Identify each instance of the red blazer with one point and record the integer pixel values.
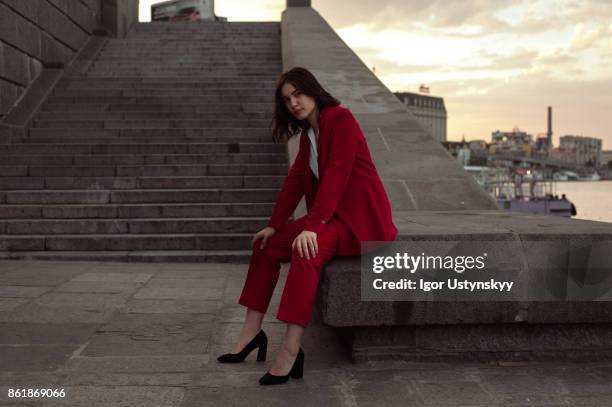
(348, 189)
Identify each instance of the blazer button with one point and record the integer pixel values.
(323, 222)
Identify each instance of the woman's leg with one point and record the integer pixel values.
(299, 295)
(262, 277)
(288, 350)
(250, 328)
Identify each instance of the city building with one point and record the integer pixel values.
(541, 148)
(606, 158)
(582, 150)
(460, 150)
(515, 142)
(429, 111)
(184, 10)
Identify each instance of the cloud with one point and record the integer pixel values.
(398, 13)
(523, 59)
(584, 38)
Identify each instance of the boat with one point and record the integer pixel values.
(590, 177)
(541, 198)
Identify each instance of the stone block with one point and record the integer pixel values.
(28, 37)
(14, 65)
(8, 25)
(28, 9)
(18, 243)
(78, 12)
(55, 197)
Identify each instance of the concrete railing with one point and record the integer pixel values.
(433, 198)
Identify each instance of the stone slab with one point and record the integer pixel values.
(35, 333)
(136, 364)
(34, 357)
(147, 334)
(17, 291)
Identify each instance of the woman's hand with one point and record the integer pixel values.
(264, 234)
(306, 243)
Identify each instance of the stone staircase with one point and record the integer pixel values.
(161, 152)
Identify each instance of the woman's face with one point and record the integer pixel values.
(299, 104)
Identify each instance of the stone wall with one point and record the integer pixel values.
(119, 15)
(35, 33)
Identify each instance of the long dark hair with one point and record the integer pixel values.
(284, 123)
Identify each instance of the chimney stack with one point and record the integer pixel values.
(549, 133)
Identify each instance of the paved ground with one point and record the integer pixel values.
(116, 334)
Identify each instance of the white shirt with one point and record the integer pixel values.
(314, 162)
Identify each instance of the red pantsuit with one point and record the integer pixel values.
(300, 289)
(347, 205)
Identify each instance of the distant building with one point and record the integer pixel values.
(184, 10)
(563, 155)
(542, 147)
(460, 150)
(429, 111)
(583, 150)
(515, 142)
(606, 158)
(478, 145)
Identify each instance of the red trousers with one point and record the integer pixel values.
(301, 286)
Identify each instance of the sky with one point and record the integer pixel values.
(498, 64)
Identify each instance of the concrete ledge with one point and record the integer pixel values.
(341, 304)
(434, 199)
(483, 343)
(26, 108)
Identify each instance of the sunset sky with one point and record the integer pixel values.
(497, 63)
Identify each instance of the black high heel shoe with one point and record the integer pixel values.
(296, 372)
(260, 341)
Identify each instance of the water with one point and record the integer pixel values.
(593, 200)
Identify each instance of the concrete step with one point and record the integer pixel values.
(94, 183)
(242, 65)
(67, 115)
(139, 210)
(152, 148)
(140, 170)
(151, 123)
(264, 79)
(228, 195)
(229, 134)
(139, 92)
(105, 83)
(204, 41)
(202, 100)
(143, 256)
(219, 108)
(131, 226)
(84, 242)
(191, 57)
(225, 71)
(153, 73)
(143, 159)
(76, 139)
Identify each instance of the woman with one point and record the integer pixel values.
(346, 204)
